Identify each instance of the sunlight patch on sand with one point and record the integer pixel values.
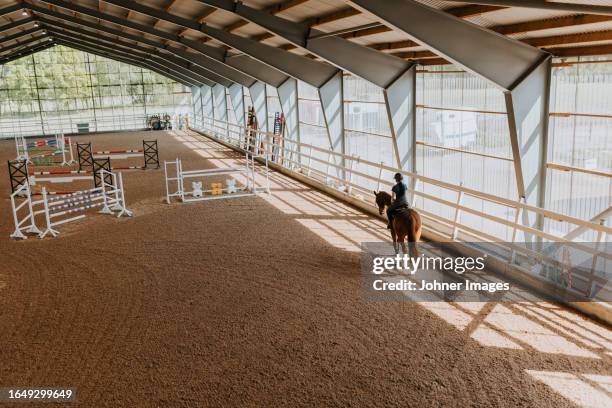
(585, 390)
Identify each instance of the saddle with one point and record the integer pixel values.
(402, 208)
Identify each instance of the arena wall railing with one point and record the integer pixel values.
(344, 176)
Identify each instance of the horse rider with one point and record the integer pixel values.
(398, 196)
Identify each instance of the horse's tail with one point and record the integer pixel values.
(413, 227)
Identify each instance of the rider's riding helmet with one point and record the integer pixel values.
(398, 177)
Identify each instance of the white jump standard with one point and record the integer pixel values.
(59, 209)
(199, 194)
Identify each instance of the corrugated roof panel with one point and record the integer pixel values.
(313, 8)
(515, 15)
(587, 44)
(390, 36)
(586, 28)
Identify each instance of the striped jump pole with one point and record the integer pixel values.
(149, 152)
(107, 152)
(50, 173)
(53, 193)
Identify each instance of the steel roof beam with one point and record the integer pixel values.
(310, 71)
(126, 54)
(521, 71)
(16, 24)
(379, 68)
(201, 73)
(130, 61)
(20, 34)
(548, 5)
(22, 43)
(245, 64)
(27, 51)
(500, 60)
(11, 9)
(207, 63)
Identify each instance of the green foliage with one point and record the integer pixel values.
(65, 79)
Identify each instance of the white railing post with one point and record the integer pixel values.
(349, 187)
(600, 238)
(415, 186)
(517, 218)
(457, 213)
(380, 170)
(329, 157)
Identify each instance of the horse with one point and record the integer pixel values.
(406, 224)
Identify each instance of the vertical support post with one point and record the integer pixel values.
(400, 102)
(208, 110)
(196, 100)
(517, 218)
(332, 102)
(237, 98)
(527, 105)
(288, 96)
(220, 102)
(259, 99)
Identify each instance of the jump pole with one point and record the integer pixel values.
(149, 153)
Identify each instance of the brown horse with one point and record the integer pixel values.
(406, 224)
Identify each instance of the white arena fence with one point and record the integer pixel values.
(466, 217)
(64, 208)
(68, 125)
(102, 121)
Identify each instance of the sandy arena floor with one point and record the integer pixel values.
(256, 302)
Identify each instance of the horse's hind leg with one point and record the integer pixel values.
(404, 249)
(414, 252)
(395, 244)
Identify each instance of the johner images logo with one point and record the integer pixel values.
(443, 272)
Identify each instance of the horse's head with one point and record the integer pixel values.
(383, 200)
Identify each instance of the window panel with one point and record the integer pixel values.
(70, 83)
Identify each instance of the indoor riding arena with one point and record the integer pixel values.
(306, 203)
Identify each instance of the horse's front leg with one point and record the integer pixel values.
(395, 244)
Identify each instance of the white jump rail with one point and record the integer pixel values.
(62, 176)
(118, 154)
(247, 171)
(61, 209)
